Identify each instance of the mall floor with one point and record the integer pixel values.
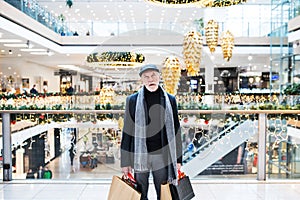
(80, 183)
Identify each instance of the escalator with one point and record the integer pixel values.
(219, 146)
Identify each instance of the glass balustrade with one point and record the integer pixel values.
(219, 143)
(240, 20)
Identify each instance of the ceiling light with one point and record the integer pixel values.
(10, 52)
(33, 50)
(15, 45)
(42, 53)
(71, 67)
(9, 40)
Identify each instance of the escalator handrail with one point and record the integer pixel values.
(213, 138)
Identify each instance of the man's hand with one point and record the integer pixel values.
(178, 166)
(126, 170)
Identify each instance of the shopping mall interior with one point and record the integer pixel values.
(67, 66)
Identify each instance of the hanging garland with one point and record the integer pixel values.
(199, 3)
(115, 58)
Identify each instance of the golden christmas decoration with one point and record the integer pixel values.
(211, 34)
(106, 95)
(227, 44)
(171, 73)
(192, 52)
(115, 59)
(197, 3)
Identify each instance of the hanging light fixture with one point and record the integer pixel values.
(211, 35)
(192, 52)
(227, 44)
(171, 73)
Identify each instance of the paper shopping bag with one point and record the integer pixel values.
(121, 190)
(182, 191)
(165, 193)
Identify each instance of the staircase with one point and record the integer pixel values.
(219, 146)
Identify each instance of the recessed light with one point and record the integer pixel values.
(32, 50)
(68, 66)
(39, 53)
(10, 40)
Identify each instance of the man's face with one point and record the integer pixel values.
(150, 79)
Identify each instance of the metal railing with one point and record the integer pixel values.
(262, 129)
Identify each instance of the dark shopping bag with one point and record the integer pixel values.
(123, 189)
(182, 191)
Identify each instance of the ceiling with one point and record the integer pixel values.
(130, 15)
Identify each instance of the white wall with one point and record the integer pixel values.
(36, 74)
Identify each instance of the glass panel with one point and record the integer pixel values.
(229, 140)
(282, 146)
(250, 24)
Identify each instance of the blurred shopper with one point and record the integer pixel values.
(30, 174)
(33, 90)
(72, 153)
(47, 173)
(40, 172)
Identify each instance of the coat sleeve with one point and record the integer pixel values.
(127, 139)
(177, 130)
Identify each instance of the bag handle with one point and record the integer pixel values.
(180, 174)
(129, 176)
(129, 179)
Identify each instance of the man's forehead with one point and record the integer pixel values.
(149, 72)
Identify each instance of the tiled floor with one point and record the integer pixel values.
(79, 183)
(206, 190)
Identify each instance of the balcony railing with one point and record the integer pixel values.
(269, 144)
(244, 26)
